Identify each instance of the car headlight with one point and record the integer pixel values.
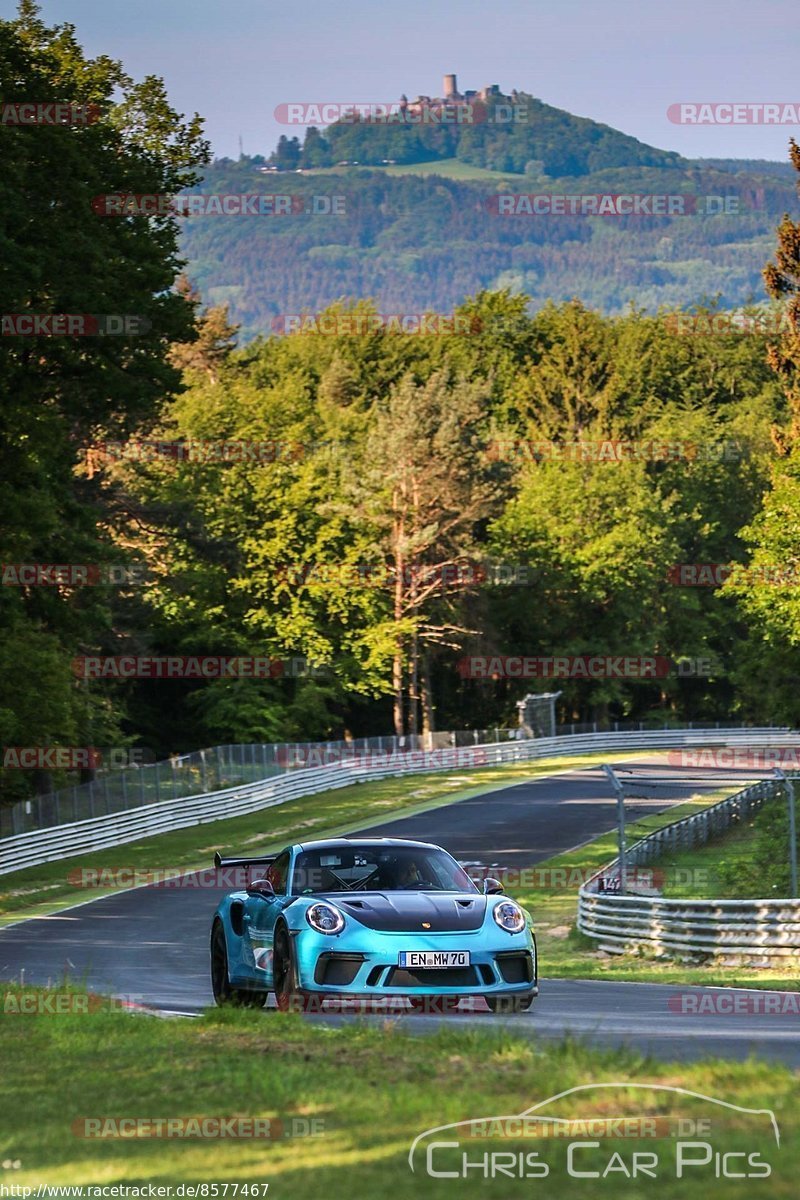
(325, 918)
(509, 916)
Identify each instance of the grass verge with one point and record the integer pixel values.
(566, 953)
(696, 873)
(371, 1089)
(749, 862)
(449, 168)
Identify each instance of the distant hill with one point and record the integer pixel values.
(421, 230)
(517, 134)
(419, 242)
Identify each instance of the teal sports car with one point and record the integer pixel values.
(369, 918)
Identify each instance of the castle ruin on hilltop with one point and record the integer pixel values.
(452, 98)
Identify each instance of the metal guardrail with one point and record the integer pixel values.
(210, 770)
(768, 928)
(216, 768)
(116, 829)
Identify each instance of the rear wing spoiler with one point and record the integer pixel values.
(261, 860)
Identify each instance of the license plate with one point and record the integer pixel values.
(416, 959)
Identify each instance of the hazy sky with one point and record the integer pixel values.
(622, 62)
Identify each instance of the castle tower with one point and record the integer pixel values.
(449, 88)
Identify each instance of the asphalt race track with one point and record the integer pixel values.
(150, 945)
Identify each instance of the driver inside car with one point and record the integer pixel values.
(393, 875)
(408, 875)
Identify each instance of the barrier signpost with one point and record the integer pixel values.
(792, 829)
(619, 791)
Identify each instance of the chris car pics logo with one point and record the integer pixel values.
(654, 1132)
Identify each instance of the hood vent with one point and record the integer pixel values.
(415, 912)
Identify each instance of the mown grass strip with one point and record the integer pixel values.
(371, 1088)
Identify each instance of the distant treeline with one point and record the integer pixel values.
(413, 243)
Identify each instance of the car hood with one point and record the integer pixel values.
(417, 912)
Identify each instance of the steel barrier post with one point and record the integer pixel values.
(787, 783)
(620, 794)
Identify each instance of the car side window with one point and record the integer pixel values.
(278, 873)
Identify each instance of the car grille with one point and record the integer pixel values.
(337, 970)
(515, 967)
(442, 977)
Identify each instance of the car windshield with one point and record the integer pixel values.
(378, 869)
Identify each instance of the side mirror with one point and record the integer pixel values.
(492, 887)
(261, 887)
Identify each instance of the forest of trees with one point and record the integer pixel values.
(378, 505)
(412, 243)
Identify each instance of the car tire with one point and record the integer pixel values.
(288, 996)
(510, 1004)
(220, 980)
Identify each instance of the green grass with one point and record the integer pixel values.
(38, 891)
(449, 168)
(695, 873)
(372, 1089)
(749, 862)
(453, 168)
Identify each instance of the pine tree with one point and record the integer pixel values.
(216, 336)
(782, 280)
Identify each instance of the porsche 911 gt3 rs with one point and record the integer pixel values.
(370, 918)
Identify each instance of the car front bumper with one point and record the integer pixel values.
(359, 962)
